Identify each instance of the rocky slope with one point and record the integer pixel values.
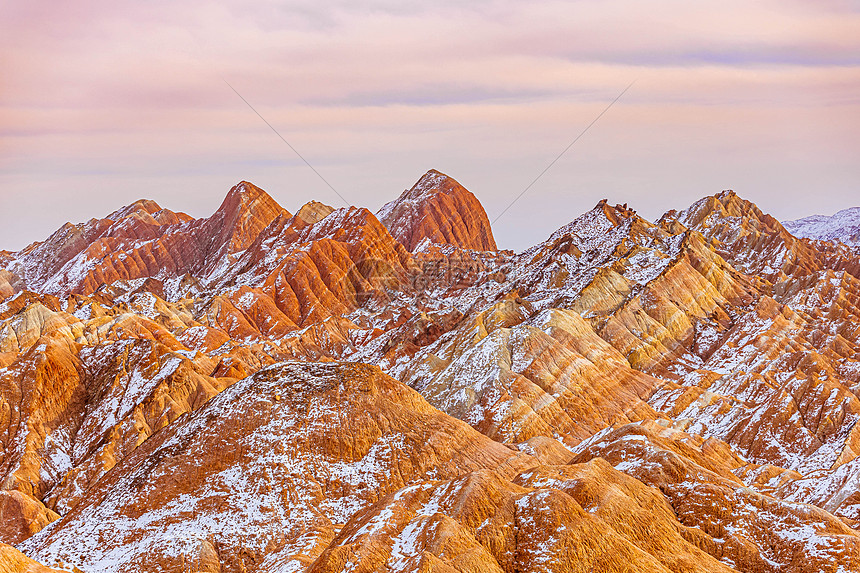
(13, 561)
(267, 472)
(332, 390)
(143, 240)
(843, 226)
(438, 210)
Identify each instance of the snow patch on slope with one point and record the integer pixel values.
(843, 226)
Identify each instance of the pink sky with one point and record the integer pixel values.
(103, 102)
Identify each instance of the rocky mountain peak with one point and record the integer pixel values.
(244, 213)
(617, 213)
(244, 197)
(141, 206)
(439, 209)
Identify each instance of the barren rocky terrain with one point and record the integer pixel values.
(337, 390)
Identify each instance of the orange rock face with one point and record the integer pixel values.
(279, 462)
(13, 561)
(144, 240)
(439, 210)
(21, 516)
(258, 391)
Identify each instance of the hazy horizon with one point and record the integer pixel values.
(104, 103)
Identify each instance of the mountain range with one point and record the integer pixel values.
(844, 226)
(341, 390)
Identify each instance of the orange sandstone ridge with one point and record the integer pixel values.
(439, 210)
(333, 390)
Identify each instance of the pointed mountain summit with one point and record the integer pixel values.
(242, 216)
(144, 240)
(244, 213)
(439, 209)
(149, 212)
(726, 214)
(755, 242)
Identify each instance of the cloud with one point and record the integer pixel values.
(104, 102)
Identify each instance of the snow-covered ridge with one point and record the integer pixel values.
(844, 226)
(430, 184)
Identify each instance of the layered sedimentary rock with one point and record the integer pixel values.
(757, 244)
(13, 561)
(144, 240)
(271, 468)
(328, 391)
(439, 210)
(747, 529)
(585, 517)
(22, 515)
(513, 377)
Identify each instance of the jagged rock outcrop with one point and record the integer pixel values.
(439, 210)
(757, 244)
